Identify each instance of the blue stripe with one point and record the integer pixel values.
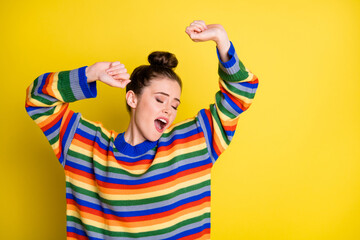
(80, 167)
(110, 148)
(89, 90)
(249, 85)
(214, 112)
(160, 209)
(179, 136)
(53, 128)
(61, 158)
(84, 203)
(231, 103)
(229, 134)
(153, 178)
(29, 109)
(76, 230)
(189, 232)
(207, 125)
(209, 131)
(231, 54)
(134, 160)
(85, 134)
(42, 83)
(68, 130)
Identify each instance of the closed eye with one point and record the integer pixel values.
(158, 100)
(174, 107)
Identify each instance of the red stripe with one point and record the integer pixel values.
(137, 218)
(255, 80)
(156, 182)
(83, 139)
(65, 124)
(106, 153)
(77, 236)
(80, 172)
(179, 141)
(237, 101)
(43, 90)
(59, 115)
(196, 235)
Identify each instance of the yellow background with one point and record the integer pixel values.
(292, 170)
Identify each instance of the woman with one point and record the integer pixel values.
(153, 180)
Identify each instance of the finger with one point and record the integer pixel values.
(121, 76)
(120, 83)
(124, 83)
(201, 24)
(117, 71)
(115, 68)
(194, 28)
(115, 63)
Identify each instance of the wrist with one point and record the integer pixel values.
(91, 77)
(223, 42)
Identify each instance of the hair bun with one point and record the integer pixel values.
(164, 59)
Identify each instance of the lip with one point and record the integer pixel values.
(163, 129)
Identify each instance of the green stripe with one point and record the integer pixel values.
(162, 198)
(83, 191)
(179, 127)
(242, 74)
(233, 89)
(220, 106)
(126, 203)
(80, 156)
(64, 87)
(218, 122)
(153, 167)
(38, 97)
(47, 113)
(54, 139)
(95, 128)
(141, 234)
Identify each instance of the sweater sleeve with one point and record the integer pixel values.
(47, 101)
(237, 90)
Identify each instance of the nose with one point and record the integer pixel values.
(166, 109)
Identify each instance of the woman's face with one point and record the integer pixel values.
(156, 108)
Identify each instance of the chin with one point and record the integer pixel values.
(153, 137)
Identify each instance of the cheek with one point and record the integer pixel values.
(148, 109)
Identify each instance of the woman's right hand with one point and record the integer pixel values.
(113, 74)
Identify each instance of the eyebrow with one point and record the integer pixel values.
(167, 95)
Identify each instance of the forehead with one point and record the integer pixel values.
(164, 85)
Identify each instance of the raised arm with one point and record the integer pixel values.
(48, 97)
(237, 89)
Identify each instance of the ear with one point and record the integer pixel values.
(131, 99)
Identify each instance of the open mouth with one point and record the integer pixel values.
(160, 124)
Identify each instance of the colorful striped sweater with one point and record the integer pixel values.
(155, 190)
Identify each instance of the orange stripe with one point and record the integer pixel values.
(198, 141)
(121, 221)
(204, 234)
(217, 142)
(51, 118)
(112, 191)
(78, 177)
(48, 89)
(156, 187)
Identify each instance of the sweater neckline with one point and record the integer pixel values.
(126, 148)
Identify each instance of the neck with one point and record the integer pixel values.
(132, 135)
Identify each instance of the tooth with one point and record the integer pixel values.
(164, 121)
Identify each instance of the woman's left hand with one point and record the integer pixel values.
(198, 31)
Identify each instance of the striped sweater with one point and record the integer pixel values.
(154, 190)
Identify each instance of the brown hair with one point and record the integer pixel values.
(161, 65)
